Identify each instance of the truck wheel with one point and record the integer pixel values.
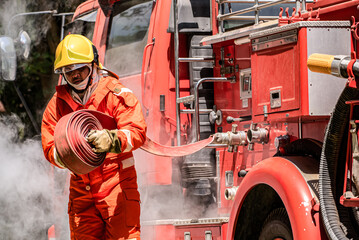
(276, 226)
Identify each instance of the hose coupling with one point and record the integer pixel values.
(230, 193)
(230, 138)
(259, 135)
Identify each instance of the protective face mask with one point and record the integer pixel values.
(82, 85)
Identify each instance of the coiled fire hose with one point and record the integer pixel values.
(76, 153)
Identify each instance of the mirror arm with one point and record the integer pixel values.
(26, 14)
(36, 127)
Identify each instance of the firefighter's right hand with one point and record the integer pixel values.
(104, 141)
(58, 160)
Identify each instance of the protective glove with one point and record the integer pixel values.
(104, 141)
(58, 160)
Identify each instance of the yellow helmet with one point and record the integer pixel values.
(75, 49)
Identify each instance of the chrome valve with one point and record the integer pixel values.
(230, 138)
(230, 193)
(259, 135)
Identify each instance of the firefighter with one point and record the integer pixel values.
(105, 203)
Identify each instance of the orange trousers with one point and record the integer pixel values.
(105, 205)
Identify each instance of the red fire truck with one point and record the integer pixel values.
(283, 163)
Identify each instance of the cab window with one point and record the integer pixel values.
(84, 25)
(128, 36)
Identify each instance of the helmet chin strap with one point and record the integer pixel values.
(88, 83)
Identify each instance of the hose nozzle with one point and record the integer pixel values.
(336, 65)
(320, 63)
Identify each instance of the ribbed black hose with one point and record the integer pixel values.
(335, 217)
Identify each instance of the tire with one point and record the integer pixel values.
(276, 226)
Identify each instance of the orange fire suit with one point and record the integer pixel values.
(105, 203)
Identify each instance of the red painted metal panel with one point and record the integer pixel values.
(229, 162)
(87, 6)
(242, 59)
(275, 69)
(324, 3)
(156, 82)
(198, 232)
(100, 33)
(214, 19)
(302, 40)
(154, 232)
(159, 80)
(237, 57)
(315, 129)
(224, 231)
(227, 95)
(343, 10)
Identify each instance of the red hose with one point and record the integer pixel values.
(70, 139)
(76, 153)
(169, 151)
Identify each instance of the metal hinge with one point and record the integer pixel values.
(275, 40)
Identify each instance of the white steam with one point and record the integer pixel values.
(8, 9)
(37, 25)
(27, 198)
(12, 24)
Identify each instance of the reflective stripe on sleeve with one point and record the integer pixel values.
(129, 162)
(129, 143)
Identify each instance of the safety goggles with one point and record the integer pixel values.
(70, 68)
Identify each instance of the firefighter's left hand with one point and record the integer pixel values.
(58, 160)
(104, 141)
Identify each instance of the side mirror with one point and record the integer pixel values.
(25, 43)
(8, 58)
